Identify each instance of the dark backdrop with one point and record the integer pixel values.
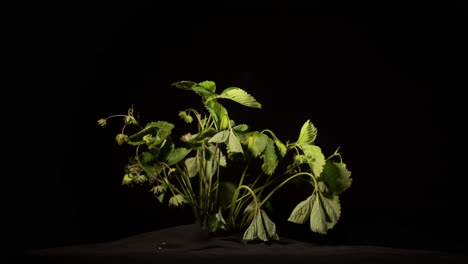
(381, 81)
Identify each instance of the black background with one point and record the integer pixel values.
(383, 81)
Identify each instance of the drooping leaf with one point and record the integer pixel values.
(220, 137)
(209, 85)
(318, 218)
(301, 212)
(314, 157)
(261, 228)
(270, 160)
(325, 212)
(177, 155)
(336, 176)
(256, 143)
(234, 143)
(240, 96)
(332, 207)
(222, 158)
(219, 114)
(192, 166)
(177, 200)
(279, 145)
(184, 85)
(308, 133)
(216, 222)
(322, 210)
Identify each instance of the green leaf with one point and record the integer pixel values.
(220, 137)
(146, 158)
(234, 143)
(162, 125)
(270, 160)
(177, 200)
(261, 228)
(209, 85)
(325, 212)
(300, 159)
(202, 91)
(166, 150)
(314, 157)
(240, 96)
(216, 222)
(241, 128)
(332, 209)
(184, 85)
(177, 155)
(318, 218)
(159, 129)
(308, 133)
(192, 166)
(301, 212)
(336, 177)
(279, 145)
(219, 114)
(256, 143)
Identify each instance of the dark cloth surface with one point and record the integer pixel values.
(189, 244)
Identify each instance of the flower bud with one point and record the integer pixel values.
(102, 122)
(121, 139)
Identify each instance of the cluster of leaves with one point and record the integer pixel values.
(192, 174)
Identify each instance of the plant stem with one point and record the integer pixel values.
(284, 182)
(232, 214)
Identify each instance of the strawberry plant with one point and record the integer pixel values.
(226, 171)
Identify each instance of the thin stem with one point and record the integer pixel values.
(284, 182)
(232, 214)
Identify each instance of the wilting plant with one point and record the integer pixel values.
(228, 172)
